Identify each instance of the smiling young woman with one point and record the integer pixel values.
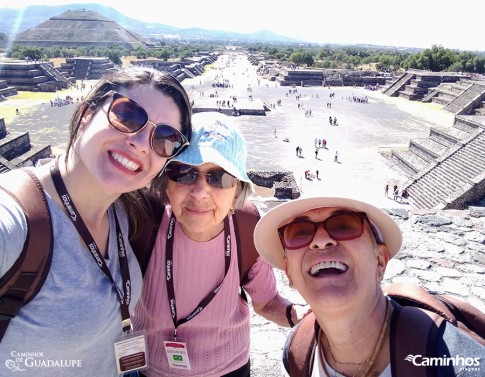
(129, 126)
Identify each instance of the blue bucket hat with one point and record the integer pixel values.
(216, 139)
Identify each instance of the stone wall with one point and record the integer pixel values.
(282, 182)
(3, 128)
(14, 145)
(29, 76)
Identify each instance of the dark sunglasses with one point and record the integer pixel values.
(128, 117)
(187, 175)
(342, 226)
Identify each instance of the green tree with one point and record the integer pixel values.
(115, 57)
(297, 58)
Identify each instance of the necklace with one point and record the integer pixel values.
(369, 361)
(382, 334)
(339, 362)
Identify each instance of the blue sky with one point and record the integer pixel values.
(410, 23)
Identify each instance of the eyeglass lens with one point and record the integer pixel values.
(126, 116)
(187, 175)
(340, 227)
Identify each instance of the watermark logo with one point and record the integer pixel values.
(466, 363)
(14, 365)
(23, 361)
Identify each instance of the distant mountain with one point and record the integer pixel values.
(14, 21)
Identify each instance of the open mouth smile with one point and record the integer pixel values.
(123, 161)
(328, 268)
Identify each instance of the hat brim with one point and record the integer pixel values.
(197, 155)
(266, 237)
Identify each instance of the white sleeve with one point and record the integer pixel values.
(13, 231)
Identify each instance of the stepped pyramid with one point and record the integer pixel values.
(446, 170)
(80, 28)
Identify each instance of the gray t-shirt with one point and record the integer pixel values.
(70, 327)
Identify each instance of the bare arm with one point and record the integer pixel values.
(275, 311)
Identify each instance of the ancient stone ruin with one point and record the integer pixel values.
(17, 151)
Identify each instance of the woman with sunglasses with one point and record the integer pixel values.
(335, 252)
(131, 123)
(197, 323)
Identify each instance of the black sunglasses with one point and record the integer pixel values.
(187, 175)
(128, 117)
(342, 226)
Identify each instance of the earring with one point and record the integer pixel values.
(380, 276)
(232, 211)
(290, 283)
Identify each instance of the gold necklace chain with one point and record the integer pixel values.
(375, 351)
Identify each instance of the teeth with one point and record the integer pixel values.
(324, 265)
(130, 165)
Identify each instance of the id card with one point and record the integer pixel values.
(130, 352)
(177, 354)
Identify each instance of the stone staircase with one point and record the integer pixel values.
(393, 89)
(17, 151)
(86, 68)
(468, 99)
(30, 76)
(444, 93)
(416, 84)
(57, 76)
(446, 170)
(6, 90)
(5, 165)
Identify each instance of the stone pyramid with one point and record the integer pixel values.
(80, 28)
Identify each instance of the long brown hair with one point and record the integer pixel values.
(129, 77)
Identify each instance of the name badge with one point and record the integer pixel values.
(130, 353)
(177, 354)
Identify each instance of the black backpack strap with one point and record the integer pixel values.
(413, 332)
(300, 346)
(24, 279)
(245, 220)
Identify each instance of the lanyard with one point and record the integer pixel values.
(169, 270)
(125, 296)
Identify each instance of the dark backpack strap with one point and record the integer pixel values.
(413, 332)
(300, 346)
(24, 279)
(245, 220)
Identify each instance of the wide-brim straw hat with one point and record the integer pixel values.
(266, 236)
